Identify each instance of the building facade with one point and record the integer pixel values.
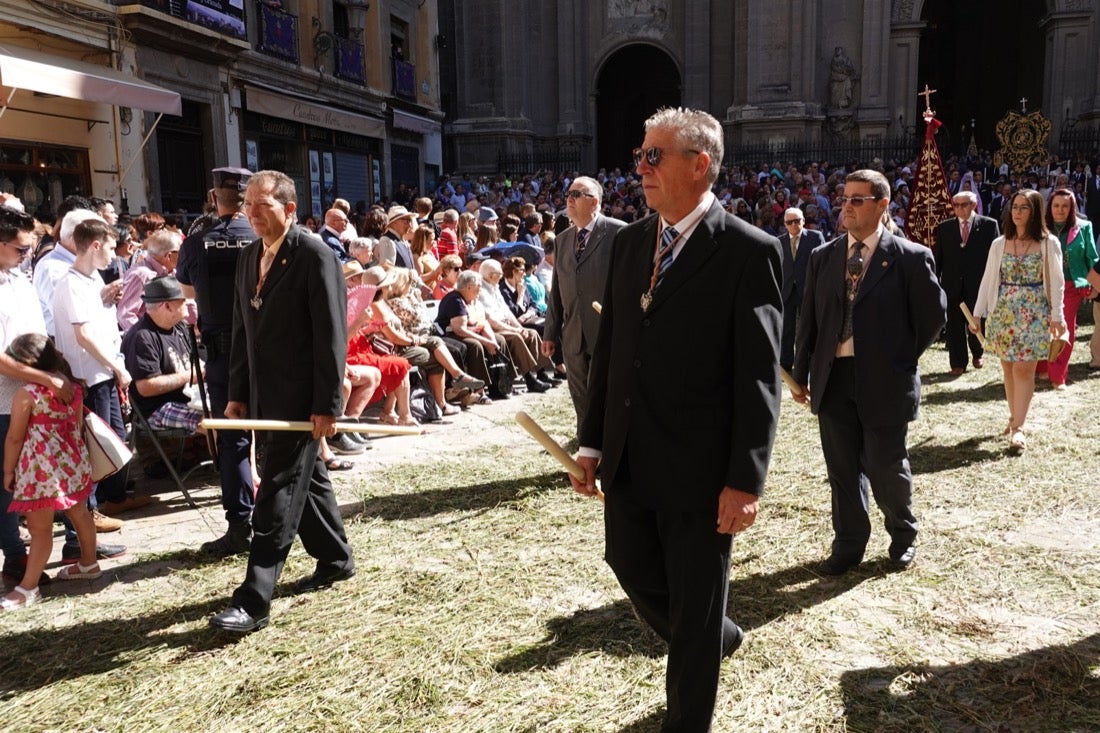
(342, 95)
(558, 81)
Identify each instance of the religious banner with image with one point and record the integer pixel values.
(931, 202)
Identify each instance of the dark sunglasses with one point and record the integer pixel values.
(575, 194)
(652, 156)
(856, 201)
(792, 221)
(22, 250)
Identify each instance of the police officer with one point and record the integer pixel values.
(206, 267)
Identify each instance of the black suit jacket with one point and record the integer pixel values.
(688, 392)
(288, 356)
(334, 243)
(960, 268)
(794, 268)
(899, 311)
(1092, 198)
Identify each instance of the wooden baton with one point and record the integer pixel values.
(973, 323)
(307, 426)
(788, 380)
(553, 448)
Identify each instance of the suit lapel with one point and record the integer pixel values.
(595, 239)
(282, 261)
(836, 267)
(881, 261)
(697, 250)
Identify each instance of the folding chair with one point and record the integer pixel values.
(140, 426)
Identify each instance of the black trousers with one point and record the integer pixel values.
(790, 325)
(858, 458)
(958, 336)
(295, 498)
(674, 567)
(234, 464)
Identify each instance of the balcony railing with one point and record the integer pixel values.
(404, 80)
(278, 32)
(349, 60)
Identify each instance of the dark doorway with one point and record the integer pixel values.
(983, 56)
(634, 82)
(183, 167)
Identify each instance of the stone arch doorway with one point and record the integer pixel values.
(983, 58)
(633, 83)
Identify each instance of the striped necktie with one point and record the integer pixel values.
(668, 236)
(582, 240)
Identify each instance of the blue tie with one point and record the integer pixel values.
(668, 236)
(582, 240)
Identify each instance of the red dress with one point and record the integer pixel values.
(393, 368)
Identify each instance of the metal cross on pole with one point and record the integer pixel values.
(927, 94)
(1023, 104)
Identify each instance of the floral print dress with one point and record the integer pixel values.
(1018, 329)
(53, 470)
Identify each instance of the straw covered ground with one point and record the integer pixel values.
(482, 602)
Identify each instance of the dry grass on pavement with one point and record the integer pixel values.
(482, 604)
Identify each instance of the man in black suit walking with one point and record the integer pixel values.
(287, 363)
(683, 434)
(795, 244)
(871, 308)
(1092, 195)
(962, 248)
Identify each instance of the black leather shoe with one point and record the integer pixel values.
(904, 559)
(323, 579)
(734, 643)
(238, 620)
(838, 565)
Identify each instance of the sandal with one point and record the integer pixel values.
(1017, 442)
(76, 571)
(338, 464)
(391, 419)
(449, 409)
(20, 598)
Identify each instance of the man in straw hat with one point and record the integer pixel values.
(392, 249)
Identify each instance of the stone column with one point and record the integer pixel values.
(1068, 43)
(874, 63)
(905, 107)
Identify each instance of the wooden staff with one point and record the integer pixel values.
(788, 380)
(973, 323)
(307, 426)
(597, 307)
(535, 431)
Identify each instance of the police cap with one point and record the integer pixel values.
(236, 178)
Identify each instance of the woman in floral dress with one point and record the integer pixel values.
(1021, 295)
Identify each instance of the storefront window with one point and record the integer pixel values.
(42, 176)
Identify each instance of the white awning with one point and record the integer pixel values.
(22, 68)
(314, 113)
(416, 123)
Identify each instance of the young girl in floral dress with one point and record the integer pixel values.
(46, 468)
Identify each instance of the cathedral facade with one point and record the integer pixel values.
(572, 80)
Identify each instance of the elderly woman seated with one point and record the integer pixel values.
(449, 268)
(403, 322)
(462, 316)
(524, 344)
(362, 249)
(360, 387)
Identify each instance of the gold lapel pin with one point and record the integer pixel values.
(284, 262)
(884, 264)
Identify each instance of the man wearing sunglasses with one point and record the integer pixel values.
(581, 260)
(795, 243)
(683, 401)
(872, 306)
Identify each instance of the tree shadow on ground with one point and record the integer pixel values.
(1049, 689)
(989, 392)
(102, 646)
(928, 458)
(612, 629)
(395, 507)
(759, 599)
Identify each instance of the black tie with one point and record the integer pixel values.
(582, 240)
(854, 275)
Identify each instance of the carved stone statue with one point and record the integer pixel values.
(842, 78)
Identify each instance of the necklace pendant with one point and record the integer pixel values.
(647, 300)
(256, 302)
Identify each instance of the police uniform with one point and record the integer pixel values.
(208, 263)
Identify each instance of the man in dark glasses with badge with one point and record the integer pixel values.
(872, 305)
(683, 399)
